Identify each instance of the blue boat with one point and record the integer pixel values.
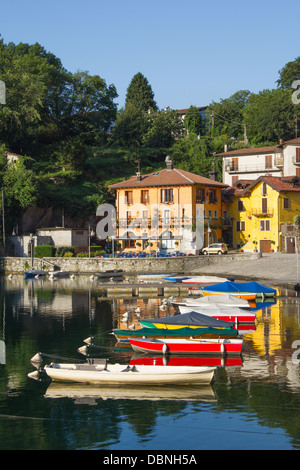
(245, 290)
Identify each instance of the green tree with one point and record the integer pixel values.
(193, 121)
(270, 116)
(289, 73)
(130, 126)
(164, 128)
(20, 186)
(227, 116)
(140, 94)
(196, 155)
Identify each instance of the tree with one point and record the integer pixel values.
(289, 73)
(270, 116)
(193, 121)
(164, 128)
(130, 126)
(20, 186)
(227, 116)
(140, 94)
(196, 155)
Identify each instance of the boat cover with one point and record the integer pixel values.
(191, 319)
(237, 287)
(178, 332)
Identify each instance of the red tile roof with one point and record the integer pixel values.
(283, 183)
(174, 177)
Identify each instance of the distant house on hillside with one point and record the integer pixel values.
(251, 163)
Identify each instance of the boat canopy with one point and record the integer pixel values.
(237, 287)
(191, 319)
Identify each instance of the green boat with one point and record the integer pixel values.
(123, 335)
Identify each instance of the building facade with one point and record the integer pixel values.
(168, 210)
(251, 163)
(259, 208)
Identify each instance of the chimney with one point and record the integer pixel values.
(213, 175)
(138, 173)
(169, 163)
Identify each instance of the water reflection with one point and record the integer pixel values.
(258, 392)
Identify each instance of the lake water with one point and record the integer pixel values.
(253, 403)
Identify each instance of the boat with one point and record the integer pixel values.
(187, 346)
(123, 335)
(233, 314)
(153, 276)
(35, 272)
(58, 274)
(212, 301)
(207, 360)
(189, 319)
(204, 280)
(111, 273)
(176, 279)
(102, 373)
(244, 290)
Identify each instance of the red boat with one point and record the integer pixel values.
(187, 346)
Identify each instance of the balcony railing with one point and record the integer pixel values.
(256, 212)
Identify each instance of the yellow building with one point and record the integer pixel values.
(259, 208)
(161, 210)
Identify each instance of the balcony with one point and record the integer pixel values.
(256, 212)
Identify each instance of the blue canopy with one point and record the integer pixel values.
(239, 287)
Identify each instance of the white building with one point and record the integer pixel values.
(251, 163)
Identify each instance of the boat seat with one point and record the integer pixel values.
(92, 363)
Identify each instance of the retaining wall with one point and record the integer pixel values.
(184, 264)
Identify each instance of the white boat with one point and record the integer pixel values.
(203, 280)
(213, 301)
(117, 374)
(57, 274)
(153, 276)
(231, 314)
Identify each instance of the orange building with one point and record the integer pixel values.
(165, 210)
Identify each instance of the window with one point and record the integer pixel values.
(166, 195)
(264, 205)
(212, 196)
(265, 225)
(297, 154)
(145, 196)
(241, 206)
(200, 195)
(128, 217)
(167, 217)
(215, 214)
(268, 162)
(128, 197)
(235, 164)
(264, 189)
(286, 203)
(241, 226)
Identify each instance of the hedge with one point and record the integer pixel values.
(44, 251)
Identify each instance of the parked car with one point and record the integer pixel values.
(215, 248)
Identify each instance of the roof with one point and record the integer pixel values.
(250, 151)
(167, 177)
(259, 150)
(280, 184)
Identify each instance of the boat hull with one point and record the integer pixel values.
(232, 315)
(187, 346)
(119, 374)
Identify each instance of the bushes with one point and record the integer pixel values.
(44, 251)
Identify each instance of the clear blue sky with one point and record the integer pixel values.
(192, 52)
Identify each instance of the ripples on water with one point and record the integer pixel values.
(252, 404)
